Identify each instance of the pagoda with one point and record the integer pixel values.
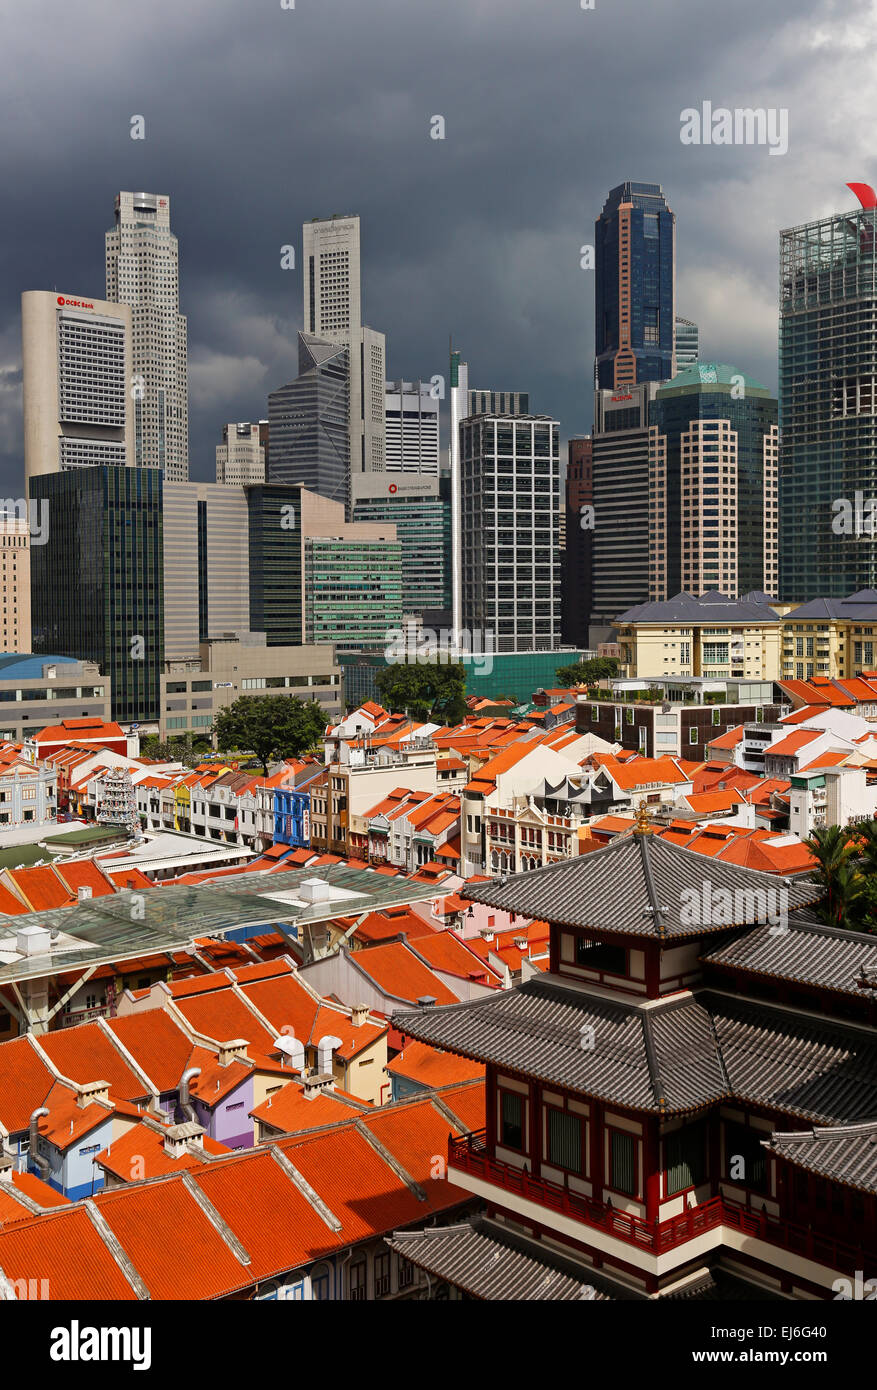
(684, 1102)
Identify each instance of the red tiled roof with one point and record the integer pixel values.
(426, 1065)
(25, 1081)
(65, 1248)
(290, 1111)
(84, 1054)
(149, 1220)
(397, 972)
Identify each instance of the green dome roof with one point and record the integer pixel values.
(708, 374)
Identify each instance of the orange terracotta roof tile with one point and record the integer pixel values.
(149, 1219)
(84, 1054)
(430, 1067)
(290, 1111)
(399, 973)
(63, 1247)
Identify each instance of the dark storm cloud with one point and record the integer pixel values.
(259, 118)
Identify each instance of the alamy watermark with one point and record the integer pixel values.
(720, 907)
(33, 514)
(740, 126)
(855, 518)
(413, 645)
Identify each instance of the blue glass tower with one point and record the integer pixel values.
(635, 245)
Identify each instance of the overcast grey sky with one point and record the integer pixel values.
(258, 118)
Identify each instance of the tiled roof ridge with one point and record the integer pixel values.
(390, 1159)
(219, 1225)
(115, 1248)
(300, 1181)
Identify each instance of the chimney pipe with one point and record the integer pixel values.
(34, 1135)
(186, 1105)
(325, 1048)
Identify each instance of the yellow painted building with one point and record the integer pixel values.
(711, 636)
(831, 637)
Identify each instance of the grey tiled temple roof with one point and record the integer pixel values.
(668, 1058)
(640, 885)
(655, 1059)
(809, 953)
(847, 1154)
(489, 1263)
(711, 607)
(826, 1072)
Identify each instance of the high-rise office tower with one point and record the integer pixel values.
(142, 267)
(15, 583)
(498, 402)
(411, 429)
(713, 446)
(309, 423)
(333, 313)
(97, 590)
(635, 245)
(206, 564)
(76, 373)
(687, 343)
(240, 458)
(621, 501)
(578, 541)
(421, 516)
(510, 482)
(828, 405)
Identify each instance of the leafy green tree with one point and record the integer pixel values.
(273, 726)
(586, 672)
(431, 691)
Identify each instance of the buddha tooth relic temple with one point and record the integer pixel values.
(684, 1104)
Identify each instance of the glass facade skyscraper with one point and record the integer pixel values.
(97, 589)
(353, 590)
(635, 248)
(275, 563)
(308, 421)
(423, 531)
(827, 403)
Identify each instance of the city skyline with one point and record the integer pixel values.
(443, 252)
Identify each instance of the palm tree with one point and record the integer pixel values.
(833, 849)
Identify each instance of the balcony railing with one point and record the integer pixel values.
(469, 1153)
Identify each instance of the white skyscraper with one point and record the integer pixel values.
(240, 458)
(76, 367)
(142, 264)
(333, 312)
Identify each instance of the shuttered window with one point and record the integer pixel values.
(685, 1158)
(565, 1140)
(623, 1163)
(512, 1119)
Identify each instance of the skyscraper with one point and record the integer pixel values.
(240, 458)
(422, 520)
(687, 343)
(578, 541)
(411, 430)
(97, 591)
(333, 313)
(76, 372)
(510, 477)
(15, 583)
(206, 564)
(142, 268)
(635, 245)
(309, 421)
(713, 446)
(827, 405)
(621, 501)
